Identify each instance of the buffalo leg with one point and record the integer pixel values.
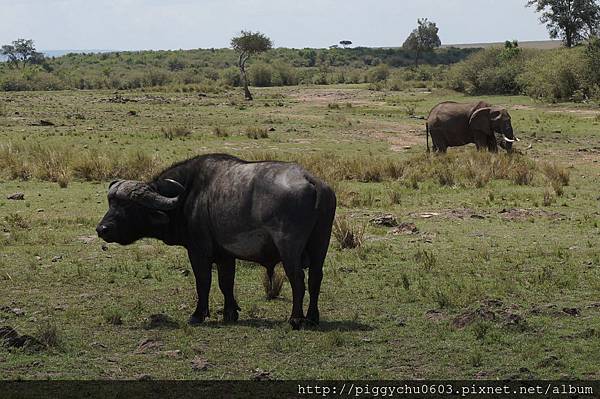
(315, 276)
(295, 274)
(226, 283)
(203, 273)
(317, 248)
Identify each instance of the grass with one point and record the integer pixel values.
(172, 132)
(490, 227)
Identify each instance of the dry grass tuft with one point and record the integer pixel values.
(557, 175)
(349, 236)
(220, 131)
(256, 133)
(273, 286)
(175, 132)
(49, 336)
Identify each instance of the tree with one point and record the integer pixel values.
(21, 52)
(345, 43)
(571, 20)
(423, 39)
(247, 44)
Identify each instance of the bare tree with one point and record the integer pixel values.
(247, 44)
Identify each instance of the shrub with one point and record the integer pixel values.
(283, 74)
(260, 74)
(490, 71)
(554, 75)
(379, 73)
(231, 76)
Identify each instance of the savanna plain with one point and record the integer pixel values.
(464, 265)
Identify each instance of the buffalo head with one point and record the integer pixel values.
(138, 209)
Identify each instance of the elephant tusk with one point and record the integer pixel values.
(518, 139)
(507, 139)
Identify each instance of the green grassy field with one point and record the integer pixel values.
(498, 278)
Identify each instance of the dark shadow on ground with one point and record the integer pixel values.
(324, 325)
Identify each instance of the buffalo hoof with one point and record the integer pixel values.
(297, 322)
(313, 318)
(195, 320)
(230, 315)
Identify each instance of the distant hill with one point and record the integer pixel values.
(60, 53)
(540, 44)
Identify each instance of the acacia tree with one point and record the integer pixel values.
(247, 44)
(345, 43)
(423, 38)
(571, 20)
(21, 52)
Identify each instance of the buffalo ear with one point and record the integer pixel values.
(481, 120)
(168, 188)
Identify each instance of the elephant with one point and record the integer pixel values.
(452, 124)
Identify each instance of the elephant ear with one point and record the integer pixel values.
(481, 120)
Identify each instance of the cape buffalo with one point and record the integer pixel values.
(452, 124)
(221, 208)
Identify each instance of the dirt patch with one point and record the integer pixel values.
(522, 214)
(468, 318)
(460, 213)
(199, 363)
(400, 137)
(493, 311)
(331, 96)
(435, 315)
(161, 321)
(148, 345)
(405, 228)
(579, 112)
(574, 111)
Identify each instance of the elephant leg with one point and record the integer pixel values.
(441, 146)
(492, 144)
(438, 142)
(481, 142)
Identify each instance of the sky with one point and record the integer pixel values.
(188, 24)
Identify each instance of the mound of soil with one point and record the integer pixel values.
(384, 220)
(10, 338)
(490, 310)
(405, 228)
(161, 321)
